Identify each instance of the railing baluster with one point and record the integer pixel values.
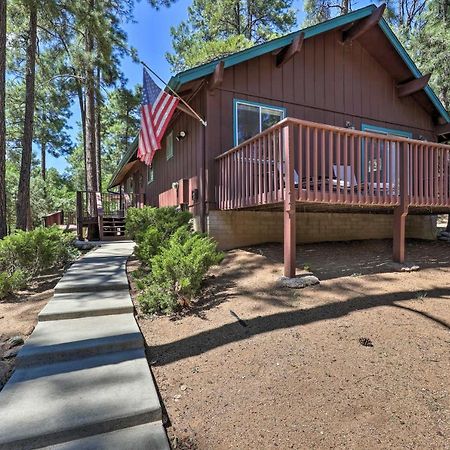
(345, 167)
(322, 164)
(330, 165)
(251, 173)
(384, 168)
(432, 167)
(358, 168)
(275, 167)
(315, 168)
(283, 167)
(300, 163)
(446, 182)
(365, 143)
(379, 168)
(308, 163)
(393, 184)
(338, 168)
(265, 174)
(352, 165)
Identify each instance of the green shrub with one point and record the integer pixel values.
(25, 254)
(36, 251)
(178, 270)
(11, 283)
(152, 227)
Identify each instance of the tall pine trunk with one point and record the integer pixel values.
(43, 160)
(3, 223)
(91, 149)
(98, 104)
(23, 195)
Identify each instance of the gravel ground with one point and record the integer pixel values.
(293, 371)
(18, 317)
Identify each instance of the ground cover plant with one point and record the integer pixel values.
(174, 258)
(26, 254)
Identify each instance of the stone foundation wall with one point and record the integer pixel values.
(241, 228)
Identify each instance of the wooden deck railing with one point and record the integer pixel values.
(92, 204)
(327, 164)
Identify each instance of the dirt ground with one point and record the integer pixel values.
(18, 317)
(257, 366)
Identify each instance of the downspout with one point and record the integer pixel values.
(203, 172)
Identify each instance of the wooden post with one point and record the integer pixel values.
(79, 215)
(401, 211)
(289, 202)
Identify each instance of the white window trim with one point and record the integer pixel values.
(169, 136)
(151, 171)
(260, 106)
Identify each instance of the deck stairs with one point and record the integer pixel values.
(113, 228)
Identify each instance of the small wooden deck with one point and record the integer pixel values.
(298, 164)
(103, 213)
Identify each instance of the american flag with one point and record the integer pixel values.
(156, 111)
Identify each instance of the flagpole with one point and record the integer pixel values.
(203, 122)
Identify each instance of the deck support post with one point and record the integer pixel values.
(401, 211)
(79, 216)
(289, 203)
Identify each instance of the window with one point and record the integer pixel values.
(150, 174)
(388, 156)
(252, 118)
(169, 146)
(129, 187)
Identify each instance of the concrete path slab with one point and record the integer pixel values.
(77, 338)
(101, 269)
(150, 436)
(73, 305)
(50, 404)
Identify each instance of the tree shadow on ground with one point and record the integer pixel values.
(328, 260)
(233, 332)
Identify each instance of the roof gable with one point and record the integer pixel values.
(275, 44)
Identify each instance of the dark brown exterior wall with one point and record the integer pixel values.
(326, 82)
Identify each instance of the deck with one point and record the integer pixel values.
(103, 213)
(298, 164)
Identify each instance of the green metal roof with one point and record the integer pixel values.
(206, 69)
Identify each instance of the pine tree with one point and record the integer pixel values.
(23, 216)
(217, 28)
(3, 224)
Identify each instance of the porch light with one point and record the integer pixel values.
(349, 125)
(181, 135)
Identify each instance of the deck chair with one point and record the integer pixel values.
(282, 172)
(347, 177)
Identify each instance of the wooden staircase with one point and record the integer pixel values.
(113, 228)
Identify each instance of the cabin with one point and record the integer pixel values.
(328, 133)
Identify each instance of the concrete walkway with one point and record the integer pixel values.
(82, 380)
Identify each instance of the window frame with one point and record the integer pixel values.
(384, 132)
(150, 178)
(237, 101)
(169, 137)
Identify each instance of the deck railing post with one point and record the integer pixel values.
(289, 202)
(401, 211)
(79, 215)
